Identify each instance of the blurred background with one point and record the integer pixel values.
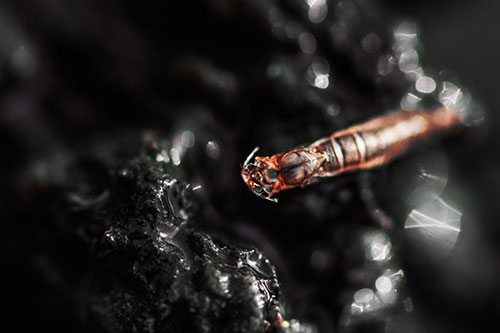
(410, 247)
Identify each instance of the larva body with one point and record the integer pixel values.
(363, 146)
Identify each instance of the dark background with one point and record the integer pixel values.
(96, 70)
(460, 36)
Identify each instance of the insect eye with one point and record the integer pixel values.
(272, 174)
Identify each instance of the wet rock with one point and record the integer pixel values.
(150, 267)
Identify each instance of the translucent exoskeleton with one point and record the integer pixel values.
(363, 146)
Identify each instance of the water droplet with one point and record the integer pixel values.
(187, 139)
(319, 259)
(23, 61)
(307, 43)
(274, 70)
(275, 16)
(434, 225)
(338, 32)
(317, 10)
(163, 157)
(409, 101)
(385, 64)
(408, 60)
(371, 43)
(405, 34)
(332, 110)
(321, 81)
(365, 295)
(212, 149)
(383, 284)
(425, 85)
(176, 157)
(379, 248)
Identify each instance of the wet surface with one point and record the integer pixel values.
(123, 130)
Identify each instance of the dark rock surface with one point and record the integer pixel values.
(127, 249)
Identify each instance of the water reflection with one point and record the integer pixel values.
(318, 73)
(405, 52)
(317, 10)
(432, 177)
(435, 224)
(371, 43)
(408, 61)
(319, 259)
(387, 286)
(212, 149)
(163, 156)
(307, 42)
(346, 11)
(180, 144)
(410, 101)
(453, 97)
(321, 81)
(187, 139)
(23, 61)
(15, 49)
(364, 300)
(425, 85)
(456, 99)
(295, 326)
(379, 247)
(338, 32)
(387, 282)
(385, 294)
(383, 284)
(406, 34)
(175, 153)
(385, 64)
(332, 110)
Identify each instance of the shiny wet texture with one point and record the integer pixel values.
(109, 110)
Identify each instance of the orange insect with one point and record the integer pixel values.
(363, 146)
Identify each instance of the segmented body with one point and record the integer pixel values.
(363, 146)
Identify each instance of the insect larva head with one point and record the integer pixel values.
(260, 178)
